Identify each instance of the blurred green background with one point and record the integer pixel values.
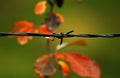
(92, 16)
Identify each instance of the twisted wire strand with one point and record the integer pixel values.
(61, 35)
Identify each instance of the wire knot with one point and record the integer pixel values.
(62, 35)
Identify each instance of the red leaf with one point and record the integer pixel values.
(21, 27)
(82, 65)
(44, 66)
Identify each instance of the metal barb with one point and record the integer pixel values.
(61, 38)
(61, 35)
(70, 32)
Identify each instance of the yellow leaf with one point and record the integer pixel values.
(64, 67)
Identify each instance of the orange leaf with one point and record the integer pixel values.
(82, 65)
(80, 41)
(21, 27)
(64, 67)
(40, 8)
(62, 64)
(44, 30)
(22, 40)
(60, 17)
(44, 66)
(58, 56)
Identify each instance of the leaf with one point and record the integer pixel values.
(21, 27)
(52, 21)
(58, 55)
(22, 40)
(60, 17)
(82, 65)
(44, 66)
(40, 8)
(62, 64)
(64, 67)
(44, 30)
(61, 46)
(80, 41)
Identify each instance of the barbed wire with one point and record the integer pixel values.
(62, 35)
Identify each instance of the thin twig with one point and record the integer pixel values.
(46, 76)
(47, 46)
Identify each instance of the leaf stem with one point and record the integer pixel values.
(47, 46)
(46, 76)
